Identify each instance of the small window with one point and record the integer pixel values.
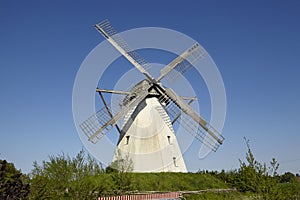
(169, 139)
(174, 160)
(127, 139)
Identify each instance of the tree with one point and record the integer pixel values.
(258, 178)
(287, 177)
(13, 183)
(121, 174)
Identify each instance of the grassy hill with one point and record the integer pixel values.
(81, 177)
(175, 182)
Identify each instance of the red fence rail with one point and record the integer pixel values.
(169, 195)
(163, 195)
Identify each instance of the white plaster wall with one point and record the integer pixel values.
(148, 145)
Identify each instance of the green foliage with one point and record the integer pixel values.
(123, 163)
(175, 182)
(215, 196)
(288, 177)
(121, 182)
(62, 177)
(81, 178)
(13, 184)
(290, 191)
(120, 175)
(257, 178)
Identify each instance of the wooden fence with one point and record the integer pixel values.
(151, 195)
(168, 195)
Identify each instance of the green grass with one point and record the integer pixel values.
(174, 182)
(213, 196)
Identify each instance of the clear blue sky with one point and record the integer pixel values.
(255, 44)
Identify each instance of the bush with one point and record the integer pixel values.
(63, 177)
(83, 178)
(13, 184)
(214, 196)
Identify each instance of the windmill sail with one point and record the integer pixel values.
(96, 122)
(100, 123)
(196, 125)
(192, 127)
(107, 30)
(193, 117)
(183, 62)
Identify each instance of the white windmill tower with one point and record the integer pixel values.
(148, 111)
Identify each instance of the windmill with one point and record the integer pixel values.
(148, 112)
